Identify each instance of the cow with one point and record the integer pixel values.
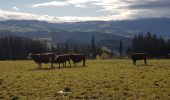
(42, 58)
(168, 56)
(78, 58)
(62, 59)
(138, 56)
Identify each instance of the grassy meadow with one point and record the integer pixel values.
(100, 79)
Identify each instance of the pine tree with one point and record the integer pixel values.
(93, 47)
(128, 50)
(66, 48)
(134, 44)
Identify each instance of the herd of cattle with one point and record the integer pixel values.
(75, 58)
(57, 59)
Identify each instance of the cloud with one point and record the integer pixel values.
(49, 4)
(150, 5)
(106, 9)
(7, 15)
(110, 6)
(60, 4)
(80, 6)
(15, 8)
(78, 3)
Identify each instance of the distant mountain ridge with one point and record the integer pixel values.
(107, 33)
(158, 26)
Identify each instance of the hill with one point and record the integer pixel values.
(107, 33)
(159, 26)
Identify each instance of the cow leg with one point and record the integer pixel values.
(134, 62)
(65, 64)
(59, 65)
(84, 61)
(145, 61)
(51, 65)
(69, 63)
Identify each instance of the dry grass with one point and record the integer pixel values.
(107, 79)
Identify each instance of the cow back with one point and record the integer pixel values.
(61, 58)
(138, 56)
(77, 57)
(43, 58)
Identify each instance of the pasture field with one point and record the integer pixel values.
(100, 79)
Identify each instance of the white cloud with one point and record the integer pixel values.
(7, 15)
(80, 1)
(80, 6)
(105, 4)
(15, 8)
(48, 4)
(113, 10)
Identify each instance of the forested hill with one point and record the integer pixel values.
(158, 26)
(107, 33)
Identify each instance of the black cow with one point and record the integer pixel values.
(62, 59)
(78, 58)
(42, 58)
(138, 56)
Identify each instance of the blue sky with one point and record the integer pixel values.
(83, 10)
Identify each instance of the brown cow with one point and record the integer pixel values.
(42, 58)
(138, 56)
(62, 59)
(78, 58)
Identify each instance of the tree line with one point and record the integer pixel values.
(151, 44)
(17, 48)
(14, 47)
(91, 50)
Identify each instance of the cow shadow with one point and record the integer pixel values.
(70, 67)
(57, 68)
(143, 65)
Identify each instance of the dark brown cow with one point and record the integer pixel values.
(168, 56)
(42, 58)
(62, 59)
(138, 56)
(78, 58)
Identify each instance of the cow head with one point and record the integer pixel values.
(56, 56)
(29, 56)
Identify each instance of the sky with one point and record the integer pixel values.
(83, 10)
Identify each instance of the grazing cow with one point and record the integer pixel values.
(42, 58)
(78, 58)
(168, 56)
(138, 56)
(62, 59)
